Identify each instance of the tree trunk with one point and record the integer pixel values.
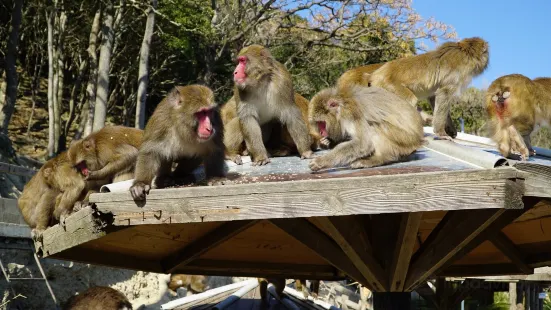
(59, 86)
(93, 75)
(6, 110)
(34, 88)
(51, 120)
(74, 96)
(102, 92)
(143, 74)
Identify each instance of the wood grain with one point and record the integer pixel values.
(407, 237)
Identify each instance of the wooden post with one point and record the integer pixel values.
(512, 296)
(392, 301)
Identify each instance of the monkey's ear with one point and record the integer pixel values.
(88, 144)
(47, 172)
(173, 97)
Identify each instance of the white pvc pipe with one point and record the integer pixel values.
(236, 296)
(116, 187)
(210, 293)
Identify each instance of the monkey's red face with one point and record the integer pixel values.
(240, 75)
(205, 130)
(322, 127)
(500, 100)
(82, 168)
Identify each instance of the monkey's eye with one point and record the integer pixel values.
(242, 59)
(332, 104)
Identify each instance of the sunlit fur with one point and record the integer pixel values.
(528, 105)
(318, 112)
(99, 298)
(383, 128)
(265, 95)
(357, 76)
(444, 72)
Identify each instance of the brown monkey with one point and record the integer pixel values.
(108, 154)
(185, 128)
(99, 298)
(276, 137)
(263, 93)
(49, 197)
(443, 73)
(279, 284)
(196, 284)
(382, 127)
(515, 105)
(357, 76)
(300, 285)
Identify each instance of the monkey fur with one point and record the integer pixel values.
(263, 92)
(108, 154)
(516, 105)
(300, 285)
(275, 136)
(193, 283)
(381, 127)
(357, 76)
(185, 128)
(442, 73)
(98, 298)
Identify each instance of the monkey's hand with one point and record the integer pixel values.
(139, 190)
(317, 163)
(235, 158)
(63, 218)
(443, 136)
(307, 155)
(261, 161)
(325, 142)
(36, 234)
(92, 175)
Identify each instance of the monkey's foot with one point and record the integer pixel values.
(317, 164)
(63, 220)
(37, 235)
(139, 190)
(245, 153)
(443, 137)
(306, 155)
(366, 163)
(235, 158)
(264, 160)
(79, 205)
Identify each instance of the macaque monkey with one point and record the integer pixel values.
(185, 128)
(278, 283)
(264, 93)
(516, 105)
(357, 76)
(108, 154)
(442, 73)
(98, 298)
(49, 197)
(276, 137)
(195, 284)
(300, 285)
(382, 127)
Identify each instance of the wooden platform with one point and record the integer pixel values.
(451, 210)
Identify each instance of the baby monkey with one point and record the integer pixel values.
(379, 126)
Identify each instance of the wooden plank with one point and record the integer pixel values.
(459, 230)
(505, 219)
(16, 170)
(313, 238)
(260, 269)
(82, 226)
(350, 235)
(480, 270)
(407, 237)
(508, 248)
(538, 183)
(347, 196)
(204, 244)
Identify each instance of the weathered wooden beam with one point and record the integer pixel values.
(504, 219)
(384, 236)
(407, 237)
(202, 245)
(350, 235)
(463, 291)
(309, 235)
(480, 270)
(507, 247)
(459, 230)
(260, 269)
(474, 189)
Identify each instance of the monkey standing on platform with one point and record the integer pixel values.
(357, 76)
(185, 128)
(264, 93)
(381, 127)
(515, 106)
(443, 73)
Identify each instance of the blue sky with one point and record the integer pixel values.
(519, 32)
